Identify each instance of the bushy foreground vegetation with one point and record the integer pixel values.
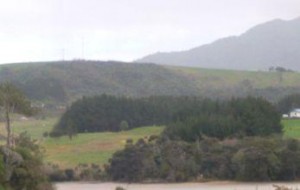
(22, 167)
(247, 159)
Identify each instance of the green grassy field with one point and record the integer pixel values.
(218, 78)
(92, 147)
(291, 128)
(35, 128)
(96, 147)
(84, 148)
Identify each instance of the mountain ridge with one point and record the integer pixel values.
(274, 43)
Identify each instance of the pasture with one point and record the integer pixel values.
(291, 128)
(92, 147)
(96, 147)
(83, 148)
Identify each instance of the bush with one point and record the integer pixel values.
(124, 126)
(30, 172)
(120, 188)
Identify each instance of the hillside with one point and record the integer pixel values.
(69, 80)
(274, 43)
(66, 81)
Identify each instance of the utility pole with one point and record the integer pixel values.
(82, 48)
(63, 54)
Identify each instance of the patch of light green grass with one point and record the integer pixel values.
(35, 128)
(291, 128)
(90, 148)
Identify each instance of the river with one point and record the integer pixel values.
(180, 186)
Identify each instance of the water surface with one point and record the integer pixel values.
(179, 186)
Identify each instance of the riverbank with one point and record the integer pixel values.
(176, 186)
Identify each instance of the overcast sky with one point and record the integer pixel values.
(36, 30)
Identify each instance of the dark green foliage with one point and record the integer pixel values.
(235, 118)
(82, 172)
(124, 126)
(12, 100)
(120, 188)
(70, 80)
(2, 171)
(257, 160)
(106, 113)
(288, 103)
(191, 117)
(127, 164)
(290, 160)
(29, 173)
(43, 88)
(247, 159)
(66, 81)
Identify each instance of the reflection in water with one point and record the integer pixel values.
(182, 186)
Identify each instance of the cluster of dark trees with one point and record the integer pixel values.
(234, 118)
(245, 159)
(238, 139)
(237, 117)
(107, 113)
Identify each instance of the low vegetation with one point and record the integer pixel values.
(22, 167)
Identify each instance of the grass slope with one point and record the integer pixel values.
(216, 78)
(35, 128)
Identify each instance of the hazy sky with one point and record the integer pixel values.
(34, 30)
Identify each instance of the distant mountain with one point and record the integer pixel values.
(275, 43)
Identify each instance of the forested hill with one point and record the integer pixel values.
(65, 81)
(69, 80)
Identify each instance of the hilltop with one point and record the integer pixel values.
(274, 43)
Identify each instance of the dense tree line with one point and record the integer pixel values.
(234, 118)
(186, 117)
(107, 113)
(247, 159)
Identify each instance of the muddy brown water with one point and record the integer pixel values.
(180, 186)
